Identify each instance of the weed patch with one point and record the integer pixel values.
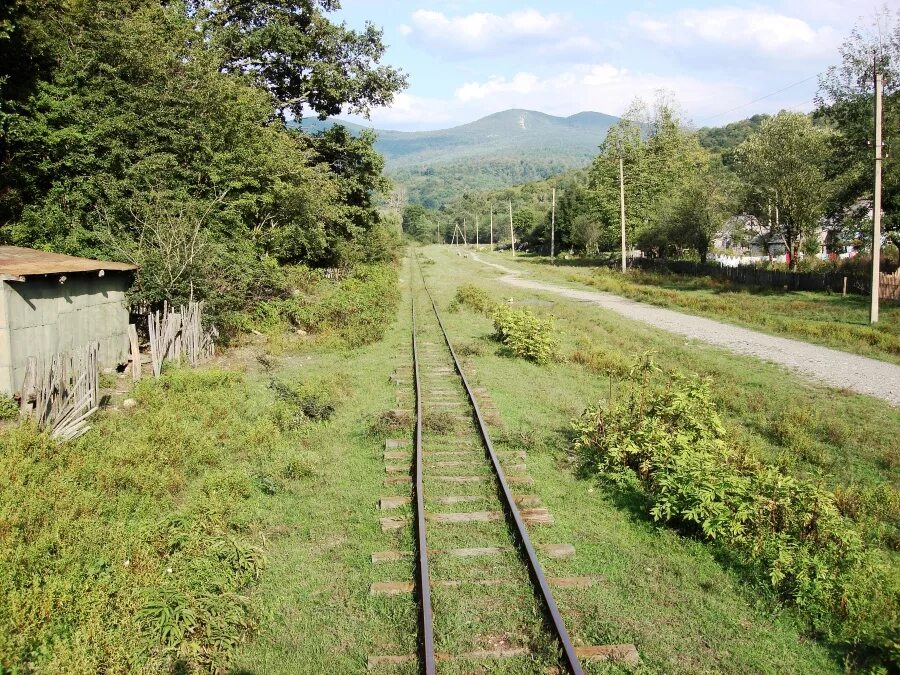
(131, 549)
(671, 444)
(525, 334)
(473, 298)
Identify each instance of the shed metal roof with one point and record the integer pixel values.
(16, 261)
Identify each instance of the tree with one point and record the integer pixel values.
(304, 60)
(846, 101)
(130, 137)
(784, 168)
(417, 222)
(699, 210)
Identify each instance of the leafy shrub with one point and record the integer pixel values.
(473, 297)
(356, 310)
(671, 444)
(313, 400)
(525, 334)
(9, 409)
(392, 421)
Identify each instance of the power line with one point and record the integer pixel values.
(761, 98)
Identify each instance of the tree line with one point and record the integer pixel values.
(787, 176)
(157, 133)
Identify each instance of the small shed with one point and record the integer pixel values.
(52, 303)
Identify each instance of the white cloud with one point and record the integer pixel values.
(761, 31)
(483, 32)
(601, 87)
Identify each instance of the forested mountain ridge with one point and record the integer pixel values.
(500, 150)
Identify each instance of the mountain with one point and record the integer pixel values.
(503, 149)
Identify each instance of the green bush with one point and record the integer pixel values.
(355, 310)
(473, 297)
(671, 444)
(313, 400)
(9, 409)
(525, 334)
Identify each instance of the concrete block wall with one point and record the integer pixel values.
(40, 317)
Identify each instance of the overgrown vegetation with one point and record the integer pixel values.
(9, 408)
(669, 442)
(354, 311)
(155, 133)
(134, 547)
(474, 298)
(526, 334)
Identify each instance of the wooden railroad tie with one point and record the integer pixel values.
(405, 587)
(551, 550)
(625, 654)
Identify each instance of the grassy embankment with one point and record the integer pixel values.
(138, 547)
(824, 318)
(267, 518)
(842, 442)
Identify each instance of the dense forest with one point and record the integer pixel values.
(156, 133)
(787, 176)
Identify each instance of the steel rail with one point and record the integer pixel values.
(534, 566)
(426, 616)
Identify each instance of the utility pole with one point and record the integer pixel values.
(465, 234)
(512, 234)
(492, 228)
(476, 232)
(876, 207)
(552, 223)
(622, 206)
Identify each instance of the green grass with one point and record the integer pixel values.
(210, 457)
(824, 318)
(840, 440)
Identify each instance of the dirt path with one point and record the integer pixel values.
(830, 366)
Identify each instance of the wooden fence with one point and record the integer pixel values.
(178, 334)
(749, 275)
(65, 391)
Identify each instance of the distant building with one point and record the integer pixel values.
(52, 303)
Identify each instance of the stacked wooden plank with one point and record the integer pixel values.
(176, 333)
(65, 391)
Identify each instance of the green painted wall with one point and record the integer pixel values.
(40, 317)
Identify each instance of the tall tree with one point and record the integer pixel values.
(305, 61)
(784, 167)
(846, 101)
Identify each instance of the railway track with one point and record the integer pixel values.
(482, 596)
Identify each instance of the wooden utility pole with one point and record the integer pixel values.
(465, 233)
(492, 228)
(476, 232)
(552, 223)
(876, 207)
(512, 233)
(622, 206)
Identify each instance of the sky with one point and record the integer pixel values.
(467, 59)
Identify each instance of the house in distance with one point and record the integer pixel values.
(52, 304)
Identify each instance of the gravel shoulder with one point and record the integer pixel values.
(829, 366)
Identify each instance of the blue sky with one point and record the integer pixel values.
(467, 59)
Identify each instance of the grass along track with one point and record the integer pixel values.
(492, 577)
(684, 608)
(822, 318)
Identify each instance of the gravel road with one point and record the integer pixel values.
(830, 366)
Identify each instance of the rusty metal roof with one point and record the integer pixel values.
(16, 262)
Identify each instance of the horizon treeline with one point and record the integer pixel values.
(788, 174)
(156, 133)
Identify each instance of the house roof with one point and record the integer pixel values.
(16, 262)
